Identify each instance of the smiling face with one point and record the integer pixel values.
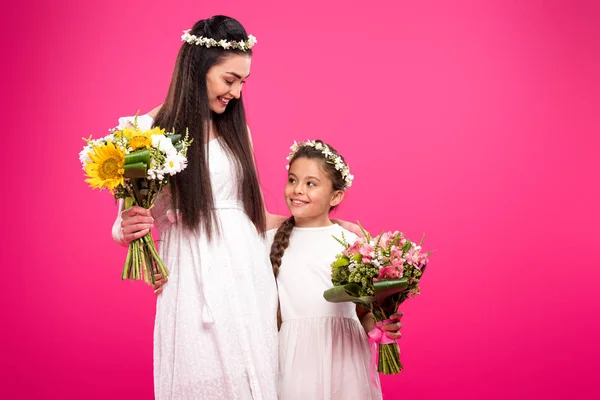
(224, 81)
(309, 193)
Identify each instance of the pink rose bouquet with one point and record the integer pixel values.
(379, 273)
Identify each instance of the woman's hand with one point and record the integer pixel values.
(349, 226)
(159, 282)
(135, 223)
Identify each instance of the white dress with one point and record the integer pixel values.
(215, 333)
(323, 349)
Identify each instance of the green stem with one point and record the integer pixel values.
(161, 268)
(127, 267)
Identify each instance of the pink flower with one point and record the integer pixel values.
(388, 237)
(413, 257)
(385, 239)
(355, 248)
(424, 260)
(396, 256)
(367, 253)
(390, 273)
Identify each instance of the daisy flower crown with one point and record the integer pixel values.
(331, 157)
(209, 42)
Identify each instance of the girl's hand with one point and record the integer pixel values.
(135, 223)
(159, 282)
(393, 329)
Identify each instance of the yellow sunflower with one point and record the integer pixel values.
(106, 168)
(156, 131)
(127, 133)
(141, 140)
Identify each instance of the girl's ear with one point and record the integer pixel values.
(336, 198)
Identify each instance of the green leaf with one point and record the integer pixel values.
(341, 262)
(340, 241)
(347, 293)
(364, 232)
(388, 287)
(137, 157)
(137, 170)
(174, 138)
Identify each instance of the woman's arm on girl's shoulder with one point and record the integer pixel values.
(349, 226)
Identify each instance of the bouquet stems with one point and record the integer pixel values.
(389, 359)
(142, 260)
(389, 353)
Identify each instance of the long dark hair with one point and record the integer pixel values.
(186, 106)
(281, 241)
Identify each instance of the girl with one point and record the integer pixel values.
(323, 347)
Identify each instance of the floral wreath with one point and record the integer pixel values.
(331, 157)
(208, 42)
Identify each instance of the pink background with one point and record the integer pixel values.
(475, 122)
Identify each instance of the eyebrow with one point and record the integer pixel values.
(237, 75)
(308, 177)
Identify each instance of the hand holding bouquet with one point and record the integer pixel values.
(134, 164)
(378, 273)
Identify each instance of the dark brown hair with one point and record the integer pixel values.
(281, 241)
(186, 106)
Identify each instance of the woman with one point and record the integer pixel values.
(215, 334)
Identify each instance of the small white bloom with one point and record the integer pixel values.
(174, 163)
(84, 156)
(164, 144)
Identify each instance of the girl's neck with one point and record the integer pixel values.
(312, 222)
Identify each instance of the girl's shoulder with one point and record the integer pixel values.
(342, 233)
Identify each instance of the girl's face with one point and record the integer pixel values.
(224, 81)
(309, 193)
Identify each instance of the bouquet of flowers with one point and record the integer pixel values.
(379, 273)
(134, 164)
